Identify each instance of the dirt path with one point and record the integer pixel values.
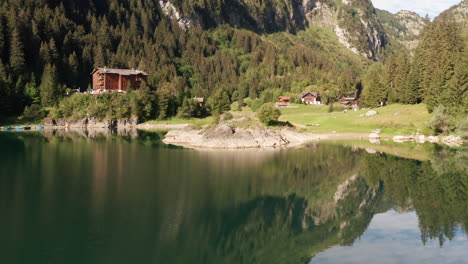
(162, 126)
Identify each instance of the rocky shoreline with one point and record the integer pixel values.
(89, 123)
(226, 136)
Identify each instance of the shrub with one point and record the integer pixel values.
(189, 108)
(219, 103)
(33, 113)
(440, 120)
(256, 104)
(462, 127)
(268, 113)
(228, 116)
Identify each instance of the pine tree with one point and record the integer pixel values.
(401, 79)
(2, 39)
(412, 95)
(165, 100)
(99, 57)
(17, 57)
(49, 86)
(219, 103)
(456, 89)
(32, 91)
(374, 92)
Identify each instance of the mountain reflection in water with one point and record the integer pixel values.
(95, 197)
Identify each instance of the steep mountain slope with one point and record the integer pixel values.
(457, 13)
(353, 21)
(404, 28)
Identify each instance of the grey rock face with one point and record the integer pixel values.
(226, 136)
(90, 123)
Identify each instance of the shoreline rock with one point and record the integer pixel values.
(89, 123)
(226, 136)
(449, 140)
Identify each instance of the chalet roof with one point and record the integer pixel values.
(304, 94)
(285, 97)
(120, 71)
(199, 99)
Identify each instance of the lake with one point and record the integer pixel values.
(92, 197)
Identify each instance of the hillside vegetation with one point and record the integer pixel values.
(49, 47)
(249, 52)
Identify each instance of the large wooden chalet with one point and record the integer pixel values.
(118, 80)
(310, 98)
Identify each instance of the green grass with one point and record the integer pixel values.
(177, 121)
(392, 119)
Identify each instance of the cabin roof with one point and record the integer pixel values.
(199, 99)
(120, 71)
(284, 97)
(304, 94)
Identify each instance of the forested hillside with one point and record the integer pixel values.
(49, 46)
(223, 50)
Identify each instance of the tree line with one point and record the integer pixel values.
(49, 47)
(437, 74)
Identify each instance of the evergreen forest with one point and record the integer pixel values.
(48, 48)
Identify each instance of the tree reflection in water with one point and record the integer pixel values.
(106, 192)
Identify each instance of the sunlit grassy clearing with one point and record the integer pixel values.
(392, 119)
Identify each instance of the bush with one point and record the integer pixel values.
(219, 103)
(189, 108)
(268, 113)
(33, 113)
(256, 104)
(462, 127)
(440, 120)
(228, 116)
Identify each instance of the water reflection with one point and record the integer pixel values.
(92, 197)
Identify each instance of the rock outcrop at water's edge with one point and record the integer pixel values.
(89, 123)
(225, 136)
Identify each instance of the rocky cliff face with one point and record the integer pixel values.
(458, 13)
(405, 27)
(354, 21)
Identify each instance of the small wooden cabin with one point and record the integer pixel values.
(106, 80)
(200, 100)
(350, 101)
(311, 98)
(283, 101)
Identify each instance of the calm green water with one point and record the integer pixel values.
(131, 199)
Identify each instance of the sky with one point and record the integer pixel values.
(431, 7)
(396, 238)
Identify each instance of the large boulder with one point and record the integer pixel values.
(227, 136)
(400, 139)
(131, 122)
(372, 113)
(48, 121)
(81, 123)
(433, 139)
(94, 123)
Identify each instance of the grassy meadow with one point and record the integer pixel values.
(392, 119)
